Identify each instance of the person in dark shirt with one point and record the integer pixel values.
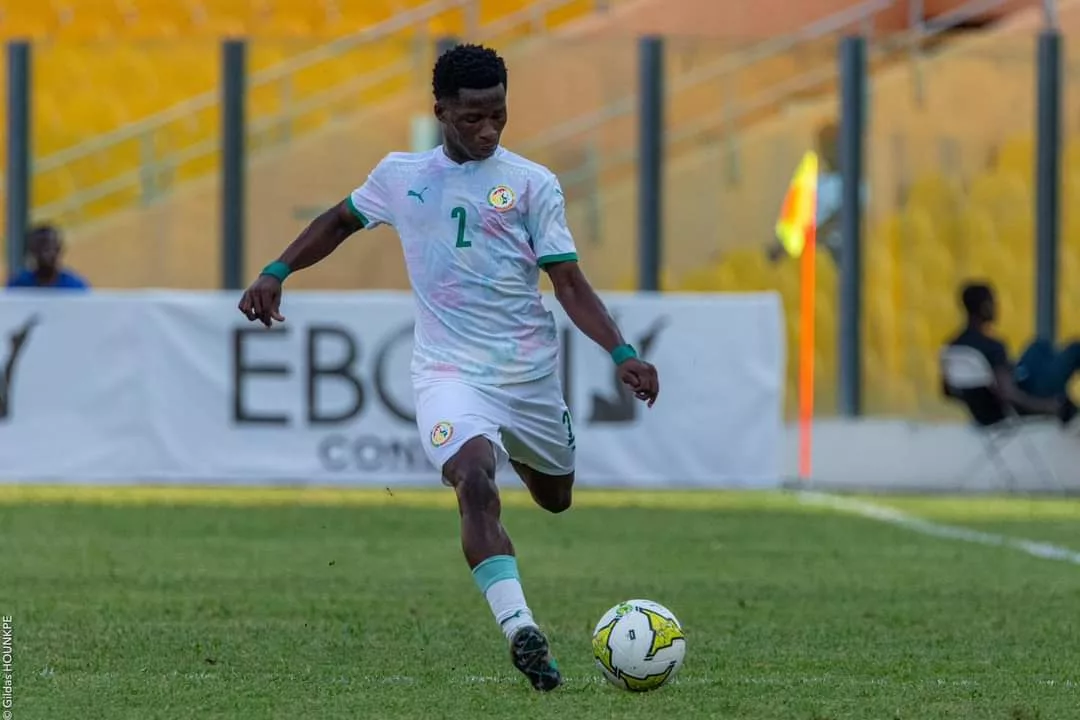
(1037, 386)
(44, 247)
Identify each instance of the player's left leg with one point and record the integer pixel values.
(541, 442)
(554, 493)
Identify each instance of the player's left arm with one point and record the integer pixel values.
(557, 255)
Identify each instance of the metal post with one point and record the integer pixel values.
(445, 43)
(916, 15)
(852, 131)
(650, 161)
(1047, 185)
(442, 45)
(233, 195)
(18, 152)
(1050, 13)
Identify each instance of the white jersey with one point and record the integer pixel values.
(475, 236)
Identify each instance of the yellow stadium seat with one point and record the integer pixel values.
(27, 20)
(151, 27)
(286, 25)
(917, 226)
(1018, 239)
(119, 61)
(568, 12)
(629, 283)
(940, 196)
(1069, 304)
(921, 343)
(1017, 157)
(119, 19)
(884, 382)
(976, 231)
(749, 268)
(707, 278)
(787, 281)
(1002, 195)
(881, 330)
(882, 253)
(916, 232)
(165, 13)
(360, 13)
(1072, 158)
(936, 272)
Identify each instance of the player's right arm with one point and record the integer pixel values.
(366, 207)
(321, 237)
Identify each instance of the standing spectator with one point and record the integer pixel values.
(830, 196)
(44, 246)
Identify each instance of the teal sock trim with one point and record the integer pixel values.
(494, 569)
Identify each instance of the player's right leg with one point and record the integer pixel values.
(464, 442)
(471, 472)
(490, 554)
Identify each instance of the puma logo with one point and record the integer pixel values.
(418, 195)
(16, 345)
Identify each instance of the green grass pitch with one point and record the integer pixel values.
(179, 604)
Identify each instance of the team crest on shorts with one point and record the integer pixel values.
(441, 433)
(502, 198)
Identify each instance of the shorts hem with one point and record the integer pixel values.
(501, 455)
(549, 470)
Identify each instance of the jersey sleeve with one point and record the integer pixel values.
(550, 235)
(370, 202)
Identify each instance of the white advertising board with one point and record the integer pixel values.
(154, 387)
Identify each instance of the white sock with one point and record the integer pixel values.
(507, 601)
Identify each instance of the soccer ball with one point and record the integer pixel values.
(639, 645)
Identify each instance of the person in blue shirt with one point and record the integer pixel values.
(44, 246)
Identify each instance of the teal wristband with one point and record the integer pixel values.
(277, 269)
(622, 353)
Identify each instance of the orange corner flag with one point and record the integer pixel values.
(797, 231)
(798, 216)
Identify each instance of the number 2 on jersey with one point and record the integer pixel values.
(569, 428)
(458, 214)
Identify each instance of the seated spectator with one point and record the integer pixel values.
(44, 246)
(1037, 386)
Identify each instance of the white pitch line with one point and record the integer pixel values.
(885, 514)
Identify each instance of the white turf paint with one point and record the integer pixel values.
(872, 511)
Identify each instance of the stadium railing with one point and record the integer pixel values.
(733, 111)
(728, 165)
(279, 113)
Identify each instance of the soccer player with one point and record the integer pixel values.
(477, 223)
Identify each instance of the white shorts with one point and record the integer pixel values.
(527, 422)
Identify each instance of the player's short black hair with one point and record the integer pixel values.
(474, 67)
(974, 297)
